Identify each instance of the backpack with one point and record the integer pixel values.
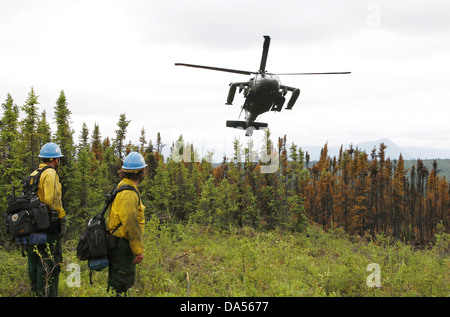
(26, 217)
(96, 241)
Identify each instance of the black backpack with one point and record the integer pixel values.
(26, 217)
(95, 241)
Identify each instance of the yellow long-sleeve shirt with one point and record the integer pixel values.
(50, 190)
(127, 210)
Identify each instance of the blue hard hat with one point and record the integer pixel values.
(50, 150)
(134, 161)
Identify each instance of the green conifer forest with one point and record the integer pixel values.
(264, 222)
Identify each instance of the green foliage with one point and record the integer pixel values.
(12, 154)
(121, 135)
(245, 262)
(29, 131)
(13, 274)
(223, 229)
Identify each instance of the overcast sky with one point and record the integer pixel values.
(112, 57)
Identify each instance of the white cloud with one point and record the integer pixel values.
(112, 57)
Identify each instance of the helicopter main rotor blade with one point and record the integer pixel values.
(262, 67)
(330, 73)
(243, 72)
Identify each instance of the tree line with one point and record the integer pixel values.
(366, 194)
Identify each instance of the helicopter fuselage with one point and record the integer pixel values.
(263, 93)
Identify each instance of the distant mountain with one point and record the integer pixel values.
(424, 153)
(393, 150)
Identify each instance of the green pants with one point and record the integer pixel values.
(44, 266)
(122, 270)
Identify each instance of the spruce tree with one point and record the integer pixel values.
(64, 139)
(159, 144)
(84, 137)
(11, 152)
(29, 130)
(121, 132)
(96, 143)
(143, 142)
(43, 130)
(159, 192)
(64, 134)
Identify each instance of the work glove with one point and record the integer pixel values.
(63, 226)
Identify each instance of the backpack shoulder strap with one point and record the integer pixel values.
(129, 187)
(112, 195)
(31, 183)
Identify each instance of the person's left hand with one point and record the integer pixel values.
(139, 258)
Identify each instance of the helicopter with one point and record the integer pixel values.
(264, 92)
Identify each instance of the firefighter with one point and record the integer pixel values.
(126, 216)
(44, 267)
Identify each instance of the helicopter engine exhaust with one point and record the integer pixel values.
(293, 99)
(231, 94)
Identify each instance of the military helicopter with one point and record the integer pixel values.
(264, 92)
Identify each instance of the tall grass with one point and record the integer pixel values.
(191, 260)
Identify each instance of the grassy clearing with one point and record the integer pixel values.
(190, 260)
